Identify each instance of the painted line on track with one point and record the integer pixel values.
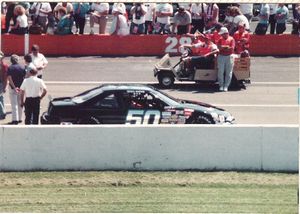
(130, 82)
(258, 105)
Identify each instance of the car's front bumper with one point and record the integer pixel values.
(46, 119)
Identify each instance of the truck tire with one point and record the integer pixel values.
(166, 79)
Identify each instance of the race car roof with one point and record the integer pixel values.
(125, 86)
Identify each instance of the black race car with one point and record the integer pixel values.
(131, 104)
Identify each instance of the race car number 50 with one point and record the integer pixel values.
(142, 117)
(173, 42)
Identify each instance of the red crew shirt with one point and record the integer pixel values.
(215, 37)
(240, 46)
(226, 42)
(3, 22)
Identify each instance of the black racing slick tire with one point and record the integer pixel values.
(89, 121)
(166, 79)
(203, 119)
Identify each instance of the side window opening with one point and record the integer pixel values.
(108, 102)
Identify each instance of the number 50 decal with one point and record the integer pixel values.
(142, 117)
(173, 42)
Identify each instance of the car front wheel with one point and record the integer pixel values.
(203, 119)
(87, 121)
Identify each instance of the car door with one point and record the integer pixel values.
(105, 107)
(143, 108)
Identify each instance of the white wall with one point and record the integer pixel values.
(246, 147)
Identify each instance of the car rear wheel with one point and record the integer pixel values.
(166, 79)
(91, 120)
(203, 119)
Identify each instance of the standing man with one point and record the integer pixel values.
(272, 20)
(3, 83)
(182, 21)
(262, 26)
(212, 15)
(34, 89)
(10, 15)
(281, 17)
(138, 12)
(99, 16)
(247, 10)
(28, 65)
(198, 17)
(80, 11)
(226, 45)
(41, 12)
(163, 13)
(15, 76)
(39, 60)
(149, 17)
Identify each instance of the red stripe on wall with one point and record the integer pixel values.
(142, 45)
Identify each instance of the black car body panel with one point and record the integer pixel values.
(130, 104)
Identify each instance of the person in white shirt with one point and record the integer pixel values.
(238, 18)
(21, 26)
(68, 6)
(99, 16)
(119, 24)
(32, 91)
(198, 17)
(163, 13)
(149, 17)
(212, 15)
(39, 60)
(28, 65)
(138, 12)
(247, 10)
(41, 12)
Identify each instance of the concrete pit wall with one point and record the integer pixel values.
(246, 147)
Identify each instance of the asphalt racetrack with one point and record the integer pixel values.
(271, 98)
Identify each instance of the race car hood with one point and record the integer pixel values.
(196, 104)
(63, 101)
(204, 107)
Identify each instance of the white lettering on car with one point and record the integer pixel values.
(142, 117)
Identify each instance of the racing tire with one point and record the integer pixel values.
(166, 80)
(203, 119)
(89, 121)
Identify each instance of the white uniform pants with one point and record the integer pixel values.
(225, 68)
(16, 109)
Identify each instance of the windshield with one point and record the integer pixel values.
(80, 98)
(171, 101)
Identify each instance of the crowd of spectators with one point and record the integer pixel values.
(141, 18)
